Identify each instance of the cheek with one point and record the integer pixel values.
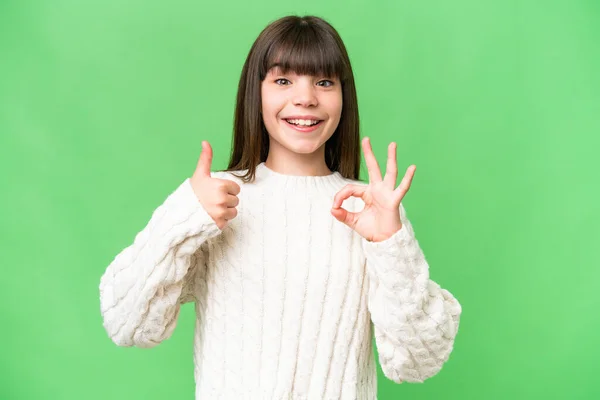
(336, 104)
(270, 107)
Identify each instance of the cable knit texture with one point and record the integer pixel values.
(287, 298)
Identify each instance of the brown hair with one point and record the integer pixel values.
(307, 46)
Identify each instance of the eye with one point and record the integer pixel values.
(280, 79)
(330, 83)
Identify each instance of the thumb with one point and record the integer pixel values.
(205, 160)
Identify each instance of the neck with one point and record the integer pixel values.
(298, 164)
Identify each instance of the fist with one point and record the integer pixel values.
(217, 196)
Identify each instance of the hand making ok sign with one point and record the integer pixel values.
(380, 218)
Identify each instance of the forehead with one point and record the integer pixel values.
(303, 50)
(278, 70)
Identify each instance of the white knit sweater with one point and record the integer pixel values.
(284, 295)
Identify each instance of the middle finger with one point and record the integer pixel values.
(372, 166)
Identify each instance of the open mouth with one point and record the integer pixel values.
(304, 125)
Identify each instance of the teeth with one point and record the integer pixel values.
(306, 122)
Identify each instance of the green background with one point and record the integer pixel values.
(103, 107)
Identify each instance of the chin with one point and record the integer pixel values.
(302, 148)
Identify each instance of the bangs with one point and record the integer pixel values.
(305, 50)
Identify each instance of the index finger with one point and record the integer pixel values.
(346, 192)
(232, 187)
(372, 166)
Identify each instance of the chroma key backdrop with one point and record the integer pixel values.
(103, 108)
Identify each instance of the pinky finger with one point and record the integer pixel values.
(231, 213)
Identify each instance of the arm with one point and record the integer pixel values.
(142, 289)
(415, 320)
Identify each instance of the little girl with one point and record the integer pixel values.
(292, 262)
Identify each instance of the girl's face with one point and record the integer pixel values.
(291, 104)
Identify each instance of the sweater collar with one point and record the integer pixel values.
(324, 184)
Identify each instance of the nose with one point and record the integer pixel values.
(305, 95)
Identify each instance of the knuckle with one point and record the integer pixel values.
(221, 185)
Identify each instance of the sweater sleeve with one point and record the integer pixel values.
(143, 287)
(415, 321)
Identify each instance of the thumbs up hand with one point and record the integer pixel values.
(217, 196)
